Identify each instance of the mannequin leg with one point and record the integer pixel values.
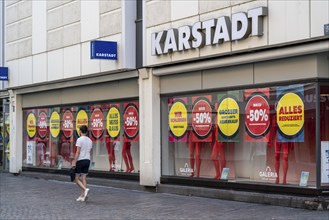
(198, 160)
(214, 154)
(285, 162)
(191, 146)
(124, 155)
(221, 148)
(130, 159)
(277, 161)
(110, 154)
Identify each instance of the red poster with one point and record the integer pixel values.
(42, 124)
(201, 119)
(257, 111)
(97, 123)
(67, 125)
(131, 122)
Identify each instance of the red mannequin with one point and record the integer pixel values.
(126, 154)
(110, 152)
(279, 146)
(41, 151)
(218, 150)
(194, 147)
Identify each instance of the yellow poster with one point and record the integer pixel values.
(81, 119)
(113, 122)
(55, 124)
(178, 119)
(31, 127)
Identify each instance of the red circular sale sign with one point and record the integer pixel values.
(131, 119)
(67, 124)
(42, 125)
(257, 119)
(201, 118)
(97, 123)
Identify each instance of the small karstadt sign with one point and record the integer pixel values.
(106, 50)
(3, 73)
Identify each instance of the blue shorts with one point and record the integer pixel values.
(82, 167)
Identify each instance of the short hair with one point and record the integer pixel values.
(84, 129)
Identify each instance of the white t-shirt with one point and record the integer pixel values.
(85, 145)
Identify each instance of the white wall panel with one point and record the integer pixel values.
(110, 23)
(25, 28)
(153, 17)
(88, 66)
(39, 26)
(55, 18)
(55, 65)
(319, 17)
(13, 73)
(288, 21)
(25, 47)
(72, 61)
(25, 71)
(183, 9)
(212, 5)
(71, 12)
(12, 51)
(39, 68)
(89, 20)
(71, 34)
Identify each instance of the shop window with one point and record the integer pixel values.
(324, 134)
(49, 136)
(260, 135)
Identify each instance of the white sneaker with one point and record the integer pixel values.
(86, 193)
(80, 199)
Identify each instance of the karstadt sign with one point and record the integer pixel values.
(209, 32)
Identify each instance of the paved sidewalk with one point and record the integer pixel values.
(23, 197)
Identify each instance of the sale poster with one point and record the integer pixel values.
(290, 113)
(81, 118)
(42, 124)
(113, 122)
(228, 117)
(55, 123)
(257, 120)
(178, 121)
(97, 123)
(201, 119)
(131, 122)
(67, 124)
(31, 125)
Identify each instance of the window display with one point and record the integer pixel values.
(263, 134)
(50, 135)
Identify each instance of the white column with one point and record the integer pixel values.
(149, 127)
(16, 132)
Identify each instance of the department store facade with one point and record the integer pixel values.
(227, 94)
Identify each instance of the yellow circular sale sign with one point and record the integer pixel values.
(228, 117)
(113, 122)
(31, 123)
(81, 119)
(54, 126)
(178, 119)
(290, 114)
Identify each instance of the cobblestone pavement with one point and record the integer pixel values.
(24, 197)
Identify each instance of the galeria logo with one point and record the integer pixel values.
(268, 174)
(186, 171)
